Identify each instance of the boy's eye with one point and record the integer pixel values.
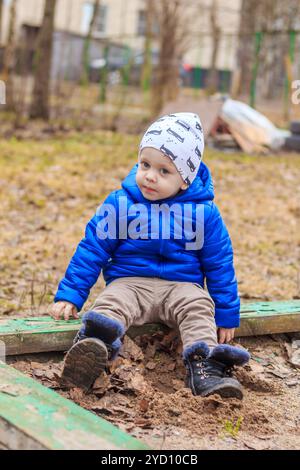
(164, 171)
(145, 165)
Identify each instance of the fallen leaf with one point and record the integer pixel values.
(38, 372)
(256, 445)
(143, 423)
(151, 365)
(292, 383)
(35, 365)
(255, 367)
(102, 410)
(49, 374)
(150, 351)
(131, 350)
(101, 384)
(295, 358)
(138, 384)
(177, 384)
(143, 405)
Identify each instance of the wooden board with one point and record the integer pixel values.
(41, 334)
(34, 417)
(206, 108)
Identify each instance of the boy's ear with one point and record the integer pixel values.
(184, 186)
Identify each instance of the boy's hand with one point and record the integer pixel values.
(225, 335)
(63, 309)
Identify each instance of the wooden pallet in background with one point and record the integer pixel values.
(41, 334)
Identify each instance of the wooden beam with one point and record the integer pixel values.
(34, 417)
(264, 318)
(41, 334)
(37, 334)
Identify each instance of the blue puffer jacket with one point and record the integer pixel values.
(165, 259)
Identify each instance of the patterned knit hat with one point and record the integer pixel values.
(180, 137)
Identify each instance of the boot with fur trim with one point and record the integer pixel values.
(209, 372)
(97, 342)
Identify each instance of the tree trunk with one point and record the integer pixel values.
(40, 101)
(245, 53)
(216, 35)
(86, 47)
(147, 64)
(1, 11)
(173, 29)
(9, 58)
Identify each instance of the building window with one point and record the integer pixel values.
(101, 20)
(100, 25)
(141, 23)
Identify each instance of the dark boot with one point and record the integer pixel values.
(97, 325)
(97, 342)
(83, 363)
(209, 373)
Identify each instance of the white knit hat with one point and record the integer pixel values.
(180, 137)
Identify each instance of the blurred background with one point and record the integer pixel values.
(120, 62)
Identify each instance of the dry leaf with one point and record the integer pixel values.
(151, 365)
(143, 405)
(150, 351)
(101, 384)
(131, 350)
(177, 384)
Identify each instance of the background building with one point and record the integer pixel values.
(123, 24)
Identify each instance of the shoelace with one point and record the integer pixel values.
(208, 369)
(229, 371)
(199, 367)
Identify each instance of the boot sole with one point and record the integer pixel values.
(226, 391)
(84, 363)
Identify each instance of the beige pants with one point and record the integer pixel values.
(182, 305)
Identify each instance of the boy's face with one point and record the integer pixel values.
(157, 176)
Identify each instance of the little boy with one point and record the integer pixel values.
(156, 240)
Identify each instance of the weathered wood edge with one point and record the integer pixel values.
(35, 417)
(49, 335)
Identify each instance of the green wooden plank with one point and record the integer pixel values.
(37, 334)
(280, 307)
(41, 334)
(35, 417)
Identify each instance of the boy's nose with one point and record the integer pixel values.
(150, 176)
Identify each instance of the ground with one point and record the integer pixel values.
(144, 395)
(51, 186)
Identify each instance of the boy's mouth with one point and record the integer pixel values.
(150, 190)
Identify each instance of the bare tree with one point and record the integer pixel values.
(245, 52)
(278, 21)
(86, 47)
(1, 14)
(147, 63)
(9, 58)
(40, 100)
(274, 20)
(216, 36)
(173, 40)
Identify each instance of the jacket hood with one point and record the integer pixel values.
(200, 190)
